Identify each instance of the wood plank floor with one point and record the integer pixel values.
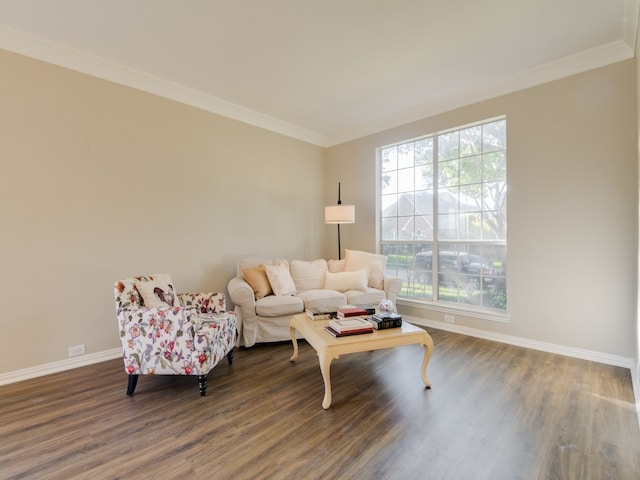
(495, 412)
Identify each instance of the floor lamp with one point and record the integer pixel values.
(340, 214)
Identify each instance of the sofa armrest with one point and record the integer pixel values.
(242, 296)
(392, 286)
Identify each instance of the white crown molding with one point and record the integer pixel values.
(583, 354)
(60, 366)
(50, 52)
(630, 27)
(565, 67)
(47, 51)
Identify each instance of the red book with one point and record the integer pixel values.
(348, 333)
(351, 312)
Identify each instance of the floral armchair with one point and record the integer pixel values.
(165, 333)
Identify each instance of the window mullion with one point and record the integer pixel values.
(436, 219)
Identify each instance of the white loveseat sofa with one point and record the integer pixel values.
(267, 292)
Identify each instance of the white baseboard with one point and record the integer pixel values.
(608, 359)
(60, 366)
(635, 379)
(594, 356)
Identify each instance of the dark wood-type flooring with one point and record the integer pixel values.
(495, 412)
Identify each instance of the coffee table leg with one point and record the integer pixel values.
(325, 368)
(428, 351)
(294, 340)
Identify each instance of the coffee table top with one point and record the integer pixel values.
(313, 331)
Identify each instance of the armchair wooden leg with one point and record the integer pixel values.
(230, 356)
(133, 381)
(202, 384)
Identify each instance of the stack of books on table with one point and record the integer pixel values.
(380, 321)
(316, 313)
(342, 327)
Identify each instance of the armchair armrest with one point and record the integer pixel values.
(148, 319)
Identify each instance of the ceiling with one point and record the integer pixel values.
(323, 71)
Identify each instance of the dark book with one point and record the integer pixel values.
(348, 333)
(387, 316)
(320, 314)
(370, 310)
(384, 323)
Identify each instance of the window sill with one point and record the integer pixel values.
(450, 309)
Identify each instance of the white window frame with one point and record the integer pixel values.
(434, 302)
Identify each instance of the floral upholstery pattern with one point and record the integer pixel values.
(189, 339)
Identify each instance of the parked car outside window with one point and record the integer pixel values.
(460, 269)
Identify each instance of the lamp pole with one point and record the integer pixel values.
(339, 203)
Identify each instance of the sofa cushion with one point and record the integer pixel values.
(375, 264)
(343, 281)
(280, 280)
(157, 290)
(274, 306)
(328, 300)
(256, 277)
(308, 275)
(371, 296)
(336, 266)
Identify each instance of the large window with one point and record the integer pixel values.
(443, 216)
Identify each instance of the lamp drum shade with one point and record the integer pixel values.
(340, 214)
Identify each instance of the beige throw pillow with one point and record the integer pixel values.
(343, 281)
(374, 263)
(256, 277)
(280, 280)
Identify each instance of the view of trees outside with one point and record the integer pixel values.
(447, 193)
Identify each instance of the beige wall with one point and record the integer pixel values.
(572, 206)
(99, 182)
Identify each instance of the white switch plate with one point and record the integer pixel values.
(449, 318)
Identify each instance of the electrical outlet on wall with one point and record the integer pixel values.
(449, 318)
(76, 350)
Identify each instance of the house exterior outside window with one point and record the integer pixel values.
(443, 216)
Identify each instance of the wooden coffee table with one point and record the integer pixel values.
(329, 347)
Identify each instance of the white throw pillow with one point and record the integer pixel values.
(336, 266)
(157, 290)
(343, 281)
(375, 265)
(308, 275)
(280, 280)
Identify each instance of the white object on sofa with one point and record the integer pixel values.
(266, 319)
